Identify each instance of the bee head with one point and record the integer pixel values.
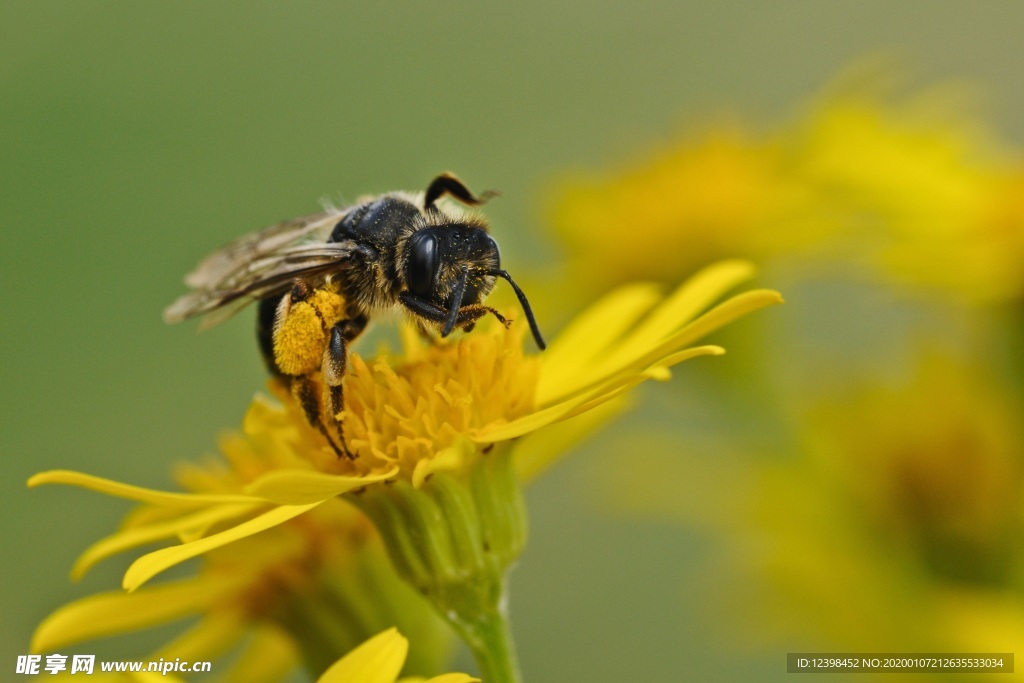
(456, 264)
(449, 261)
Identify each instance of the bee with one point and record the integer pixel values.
(320, 279)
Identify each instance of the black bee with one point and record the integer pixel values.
(320, 279)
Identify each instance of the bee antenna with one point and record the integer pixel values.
(526, 307)
(453, 314)
(449, 183)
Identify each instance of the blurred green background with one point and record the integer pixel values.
(136, 137)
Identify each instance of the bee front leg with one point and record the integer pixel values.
(468, 315)
(335, 364)
(464, 319)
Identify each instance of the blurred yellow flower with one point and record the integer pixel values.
(884, 521)
(707, 198)
(899, 525)
(906, 189)
(936, 466)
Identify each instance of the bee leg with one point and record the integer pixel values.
(304, 389)
(448, 183)
(275, 316)
(475, 312)
(334, 365)
(271, 314)
(423, 308)
(467, 315)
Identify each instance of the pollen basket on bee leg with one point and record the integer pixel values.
(302, 332)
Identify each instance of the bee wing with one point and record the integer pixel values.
(228, 260)
(259, 265)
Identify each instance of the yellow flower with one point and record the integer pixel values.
(434, 435)
(905, 189)
(379, 660)
(304, 591)
(437, 409)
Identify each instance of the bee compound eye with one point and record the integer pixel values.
(422, 265)
(491, 249)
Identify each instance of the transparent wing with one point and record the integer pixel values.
(259, 265)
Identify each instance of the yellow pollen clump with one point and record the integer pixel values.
(301, 338)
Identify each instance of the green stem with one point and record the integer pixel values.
(489, 638)
(453, 539)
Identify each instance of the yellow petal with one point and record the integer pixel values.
(153, 677)
(686, 354)
(214, 635)
(613, 390)
(536, 451)
(143, 515)
(591, 333)
(443, 678)
(114, 677)
(559, 411)
(652, 367)
(114, 612)
(727, 311)
(268, 658)
(140, 535)
(654, 364)
(619, 386)
(448, 459)
(148, 566)
(659, 373)
(378, 660)
(688, 300)
(719, 316)
(644, 347)
(607, 318)
(143, 495)
(301, 487)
